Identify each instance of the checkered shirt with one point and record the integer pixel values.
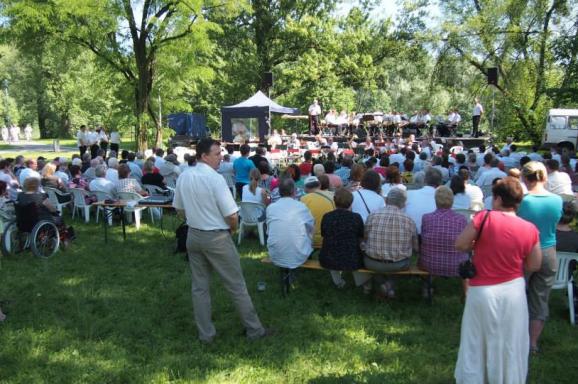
(439, 231)
(128, 185)
(390, 235)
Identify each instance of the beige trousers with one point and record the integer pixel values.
(215, 251)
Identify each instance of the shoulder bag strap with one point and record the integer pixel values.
(482, 225)
(364, 203)
(326, 197)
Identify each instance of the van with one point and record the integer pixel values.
(561, 129)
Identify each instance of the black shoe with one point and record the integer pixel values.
(269, 332)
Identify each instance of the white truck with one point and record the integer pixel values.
(561, 129)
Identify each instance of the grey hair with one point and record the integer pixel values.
(100, 171)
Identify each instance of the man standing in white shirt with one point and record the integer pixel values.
(314, 113)
(92, 141)
(114, 140)
(81, 140)
(28, 132)
(211, 213)
(477, 113)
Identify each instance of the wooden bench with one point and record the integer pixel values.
(314, 264)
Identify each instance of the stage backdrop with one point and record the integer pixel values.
(250, 118)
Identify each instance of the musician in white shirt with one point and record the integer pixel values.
(81, 140)
(92, 142)
(477, 113)
(102, 139)
(114, 140)
(314, 113)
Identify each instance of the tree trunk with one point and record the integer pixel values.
(66, 129)
(42, 116)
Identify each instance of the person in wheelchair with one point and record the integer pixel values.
(33, 206)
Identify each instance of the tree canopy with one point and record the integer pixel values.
(127, 64)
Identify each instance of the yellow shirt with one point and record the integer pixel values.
(319, 203)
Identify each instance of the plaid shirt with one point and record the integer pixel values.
(439, 231)
(128, 185)
(390, 235)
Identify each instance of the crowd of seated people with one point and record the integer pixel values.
(108, 175)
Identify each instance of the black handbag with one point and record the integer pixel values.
(467, 269)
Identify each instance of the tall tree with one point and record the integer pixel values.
(516, 37)
(126, 35)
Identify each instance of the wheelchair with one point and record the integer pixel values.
(27, 231)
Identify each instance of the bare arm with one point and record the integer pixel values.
(49, 205)
(534, 260)
(233, 221)
(465, 240)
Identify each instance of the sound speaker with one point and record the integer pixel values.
(267, 80)
(493, 76)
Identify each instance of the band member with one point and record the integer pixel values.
(102, 139)
(82, 140)
(342, 123)
(314, 113)
(331, 121)
(477, 113)
(92, 142)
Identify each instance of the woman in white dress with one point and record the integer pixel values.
(495, 342)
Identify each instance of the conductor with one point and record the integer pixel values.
(477, 113)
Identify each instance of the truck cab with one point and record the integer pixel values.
(561, 129)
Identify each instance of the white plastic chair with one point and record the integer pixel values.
(486, 190)
(132, 199)
(231, 184)
(171, 181)
(250, 214)
(467, 213)
(564, 279)
(102, 196)
(53, 198)
(79, 198)
(154, 189)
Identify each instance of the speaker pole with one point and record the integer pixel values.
(493, 110)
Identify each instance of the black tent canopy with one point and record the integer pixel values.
(259, 107)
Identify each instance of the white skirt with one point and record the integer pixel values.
(495, 341)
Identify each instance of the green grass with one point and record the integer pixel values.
(121, 313)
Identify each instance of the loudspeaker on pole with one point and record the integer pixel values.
(492, 76)
(267, 80)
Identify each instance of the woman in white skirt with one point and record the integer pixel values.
(494, 342)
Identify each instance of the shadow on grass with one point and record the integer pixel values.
(121, 312)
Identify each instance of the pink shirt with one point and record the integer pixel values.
(503, 246)
(334, 181)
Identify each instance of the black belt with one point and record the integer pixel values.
(210, 230)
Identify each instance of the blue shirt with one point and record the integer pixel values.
(544, 211)
(242, 167)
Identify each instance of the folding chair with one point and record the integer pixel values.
(564, 279)
(252, 215)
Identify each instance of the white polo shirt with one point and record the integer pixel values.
(81, 138)
(204, 196)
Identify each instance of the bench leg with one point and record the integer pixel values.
(287, 278)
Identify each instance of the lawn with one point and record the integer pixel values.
(121, 313)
